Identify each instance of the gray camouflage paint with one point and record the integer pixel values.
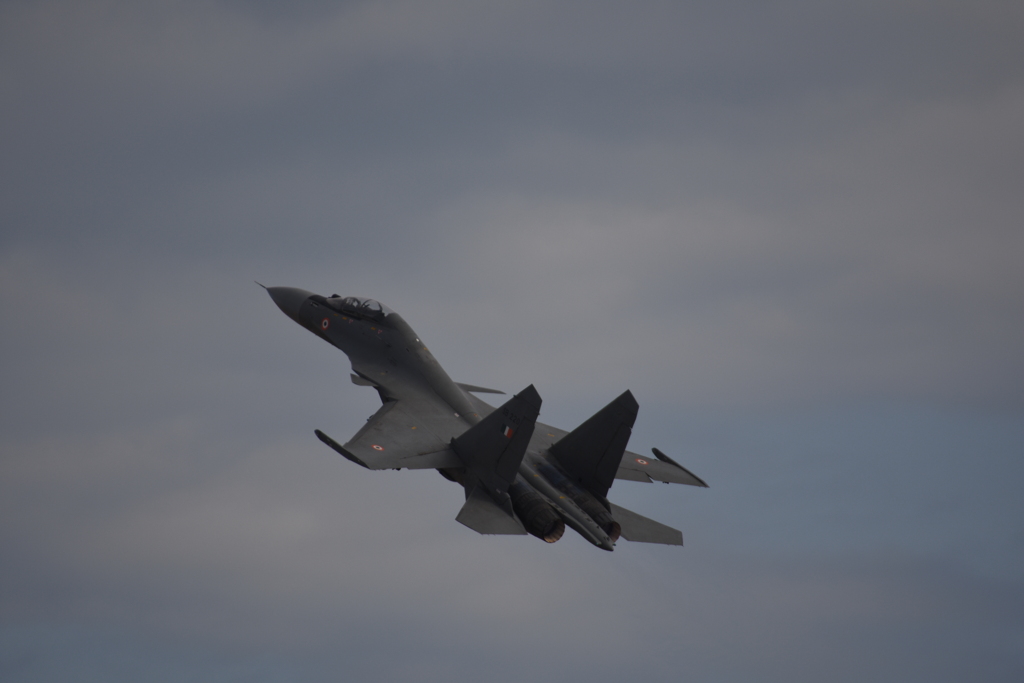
(387, 354)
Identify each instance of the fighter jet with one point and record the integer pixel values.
(520, 476)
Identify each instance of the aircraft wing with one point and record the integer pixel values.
(636, 467)
(408, 433)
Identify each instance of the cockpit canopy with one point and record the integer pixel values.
(359, 307)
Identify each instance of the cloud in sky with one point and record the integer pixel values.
(794, 232)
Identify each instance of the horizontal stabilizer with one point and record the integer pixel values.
(478, 390)
(591, 453)
(484, 516)
(640, 529)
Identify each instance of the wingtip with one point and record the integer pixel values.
(339, 448)
(661, 456)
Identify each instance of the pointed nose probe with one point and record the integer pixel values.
(289, 300)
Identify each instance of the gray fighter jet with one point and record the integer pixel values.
(520, 476)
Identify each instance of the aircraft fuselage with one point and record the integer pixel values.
(519, 475)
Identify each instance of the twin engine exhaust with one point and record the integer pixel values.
(585, 500)
(536, 514)
(542, 520)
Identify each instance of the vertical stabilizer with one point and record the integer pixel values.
(492, 451)
(590, 454)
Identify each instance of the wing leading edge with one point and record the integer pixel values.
(636, 467)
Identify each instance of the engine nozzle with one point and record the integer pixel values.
(536, 514)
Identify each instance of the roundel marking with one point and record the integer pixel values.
(325, 323)
(641, 461)
(377, 448)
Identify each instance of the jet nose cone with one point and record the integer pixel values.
(289, 300)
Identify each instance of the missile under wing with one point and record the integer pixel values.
(519, 476)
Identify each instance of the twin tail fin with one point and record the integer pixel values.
(492, 451)
(591, 453)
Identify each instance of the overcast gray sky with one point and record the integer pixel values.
(794, 230)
